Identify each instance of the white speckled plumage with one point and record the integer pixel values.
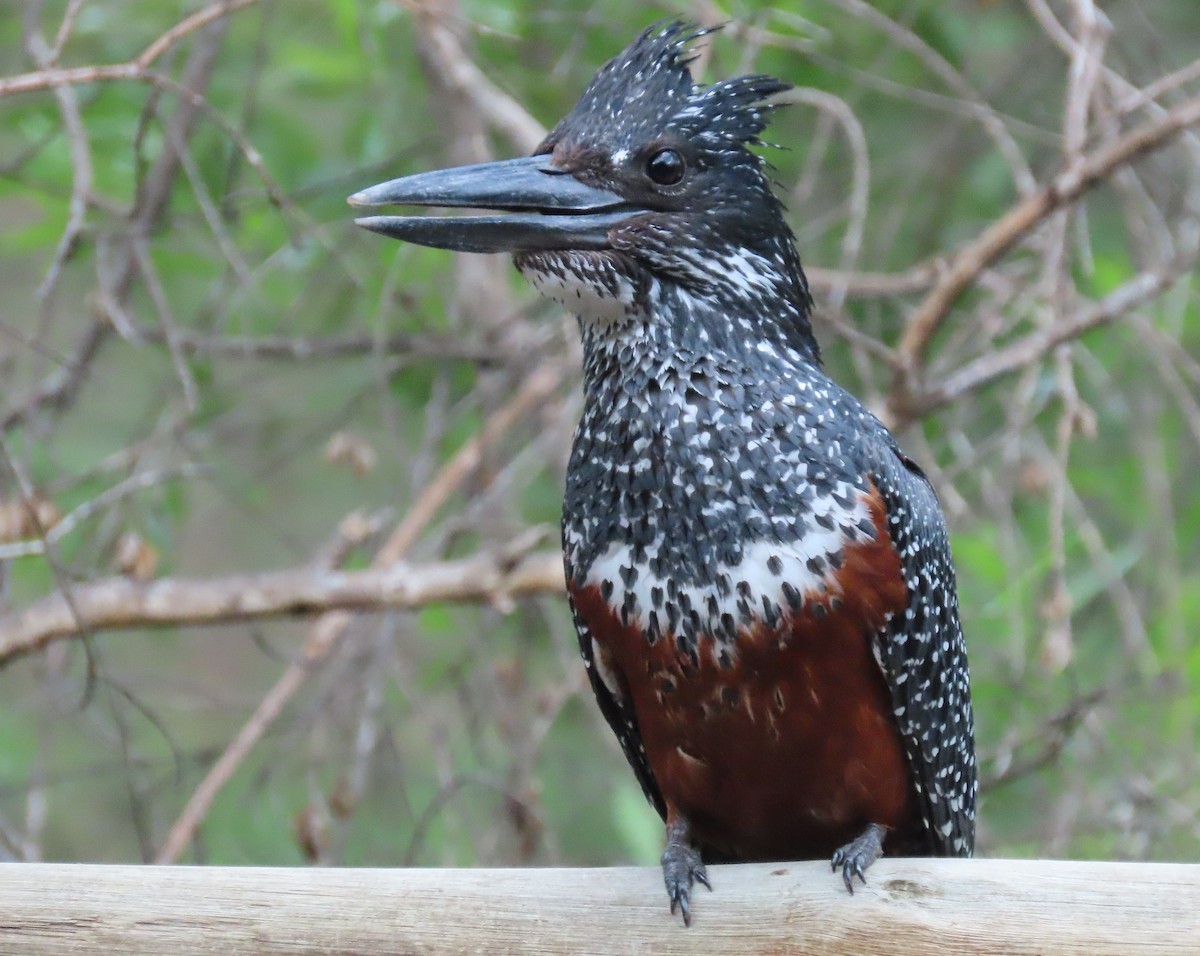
(718, 475)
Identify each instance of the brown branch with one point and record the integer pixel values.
(67, 76)
(80, 151)
(1042, 748)
(1067, 187)
(134, 69)
(459, 73)
(59, 388)
(121, 603)
(308, 348)
(1037, 345)
(136, 72)
(63, 526)
(872, 285)
(540, 385)
(189, 25)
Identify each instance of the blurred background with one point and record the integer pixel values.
(217, 391)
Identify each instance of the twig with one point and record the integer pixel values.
(459, 73)
(162, 305)
(1011, 358)
(992, 124)
(65, 27)
(1091, 169)
(65, 593)
(303, 349)
(1053, 734)
(860, 189)
(77, 141)
(76, 516)
(58, 390)
(187, 26)
(872, 285)
(1163, 84)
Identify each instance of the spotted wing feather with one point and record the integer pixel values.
(616, 708)
(924, 660)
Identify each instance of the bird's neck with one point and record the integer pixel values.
(738, 300)
(744, 327)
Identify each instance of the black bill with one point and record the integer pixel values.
(544, 208)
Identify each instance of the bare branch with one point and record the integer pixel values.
(76, 516)
(1011, 358)
(992, 124)
(77, 140)
(310, 348)
(186, 27)
(459, 73)
(121, 603)
(1068, 186)
(872, 285)
(860, 190)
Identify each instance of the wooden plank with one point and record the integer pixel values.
(913, 907)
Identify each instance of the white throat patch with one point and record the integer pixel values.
(583, 285)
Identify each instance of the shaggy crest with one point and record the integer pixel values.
(652, 80)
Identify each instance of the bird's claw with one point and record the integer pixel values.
(856, 856)
(682, 869)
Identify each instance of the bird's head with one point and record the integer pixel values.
(647, 187)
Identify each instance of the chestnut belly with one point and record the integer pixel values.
(787, 754)
(785, 746)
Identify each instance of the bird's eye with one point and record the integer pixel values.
(665, 167)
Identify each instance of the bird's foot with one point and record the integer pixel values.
(858, 854)
(682, 869)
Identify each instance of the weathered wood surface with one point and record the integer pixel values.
(911, 907)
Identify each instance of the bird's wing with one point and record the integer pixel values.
(616, 707)
(924, 660)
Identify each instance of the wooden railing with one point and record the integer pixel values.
(913, 907)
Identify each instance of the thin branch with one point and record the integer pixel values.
(166, 322)
(875, 285)
(59, 389)
(67, 76)
(1037, 345)
(1013, 761)
(51, 79)
(992, 123)
(187, 26)
(64, 29)
(860, 190)
(80, 150)
(1163, 84)
(459, 73)
(1068, 186)
(121, 603)
(76, 516)
(298, 348)
(540, 385)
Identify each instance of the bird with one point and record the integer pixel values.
(759, 577)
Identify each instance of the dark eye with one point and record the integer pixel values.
(666, 167)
